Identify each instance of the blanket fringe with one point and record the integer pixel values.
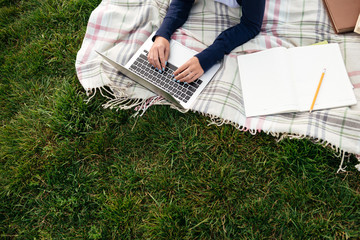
(214, 120)
(125, 102)
(118, 99)
(146, 104)
(90, 93)
(337, 151)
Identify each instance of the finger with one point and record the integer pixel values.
(162, 59)
(184, 76)
(192, 78)
(151, 57)
(181, 75)
(157, 60)
(167, 53)
(181, 69)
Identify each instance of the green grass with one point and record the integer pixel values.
(71, 170)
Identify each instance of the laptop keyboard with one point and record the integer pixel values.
(165, 81)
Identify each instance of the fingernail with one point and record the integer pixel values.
(163, 69)
(157, 69)
(165, 62)
(160, 71)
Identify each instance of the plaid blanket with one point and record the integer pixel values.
(120, 27)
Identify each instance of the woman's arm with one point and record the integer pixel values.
(248, 28)
(176, 16)
(178, 12)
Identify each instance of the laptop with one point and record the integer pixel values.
(140, 70)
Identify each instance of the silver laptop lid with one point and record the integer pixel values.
(134, 76)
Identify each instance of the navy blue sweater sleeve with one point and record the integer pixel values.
(248, 28)
(176, 16)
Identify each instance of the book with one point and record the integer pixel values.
(343, 14)
(283, 80)
(357, 26)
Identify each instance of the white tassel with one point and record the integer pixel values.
(341, 164)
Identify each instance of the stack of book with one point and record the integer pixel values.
(343, 14)
(357, 27)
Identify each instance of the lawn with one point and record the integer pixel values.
(72, 170)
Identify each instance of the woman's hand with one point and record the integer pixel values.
(159, 53)
(189, 71)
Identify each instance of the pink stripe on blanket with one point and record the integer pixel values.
(260, 124)
(354, 73)
(91, 45)
(265, 23)
(142, 31)
(107, 29)
(268, 41)
(266, 12)
(247, 124)
(97, 29)
(118, 30)
(183, 39)
(252, 51)
(274, 25)
(276, 22)
(112, 40)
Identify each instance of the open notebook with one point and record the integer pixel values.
(281, 80)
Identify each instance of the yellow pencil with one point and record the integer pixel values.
(317, 90)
